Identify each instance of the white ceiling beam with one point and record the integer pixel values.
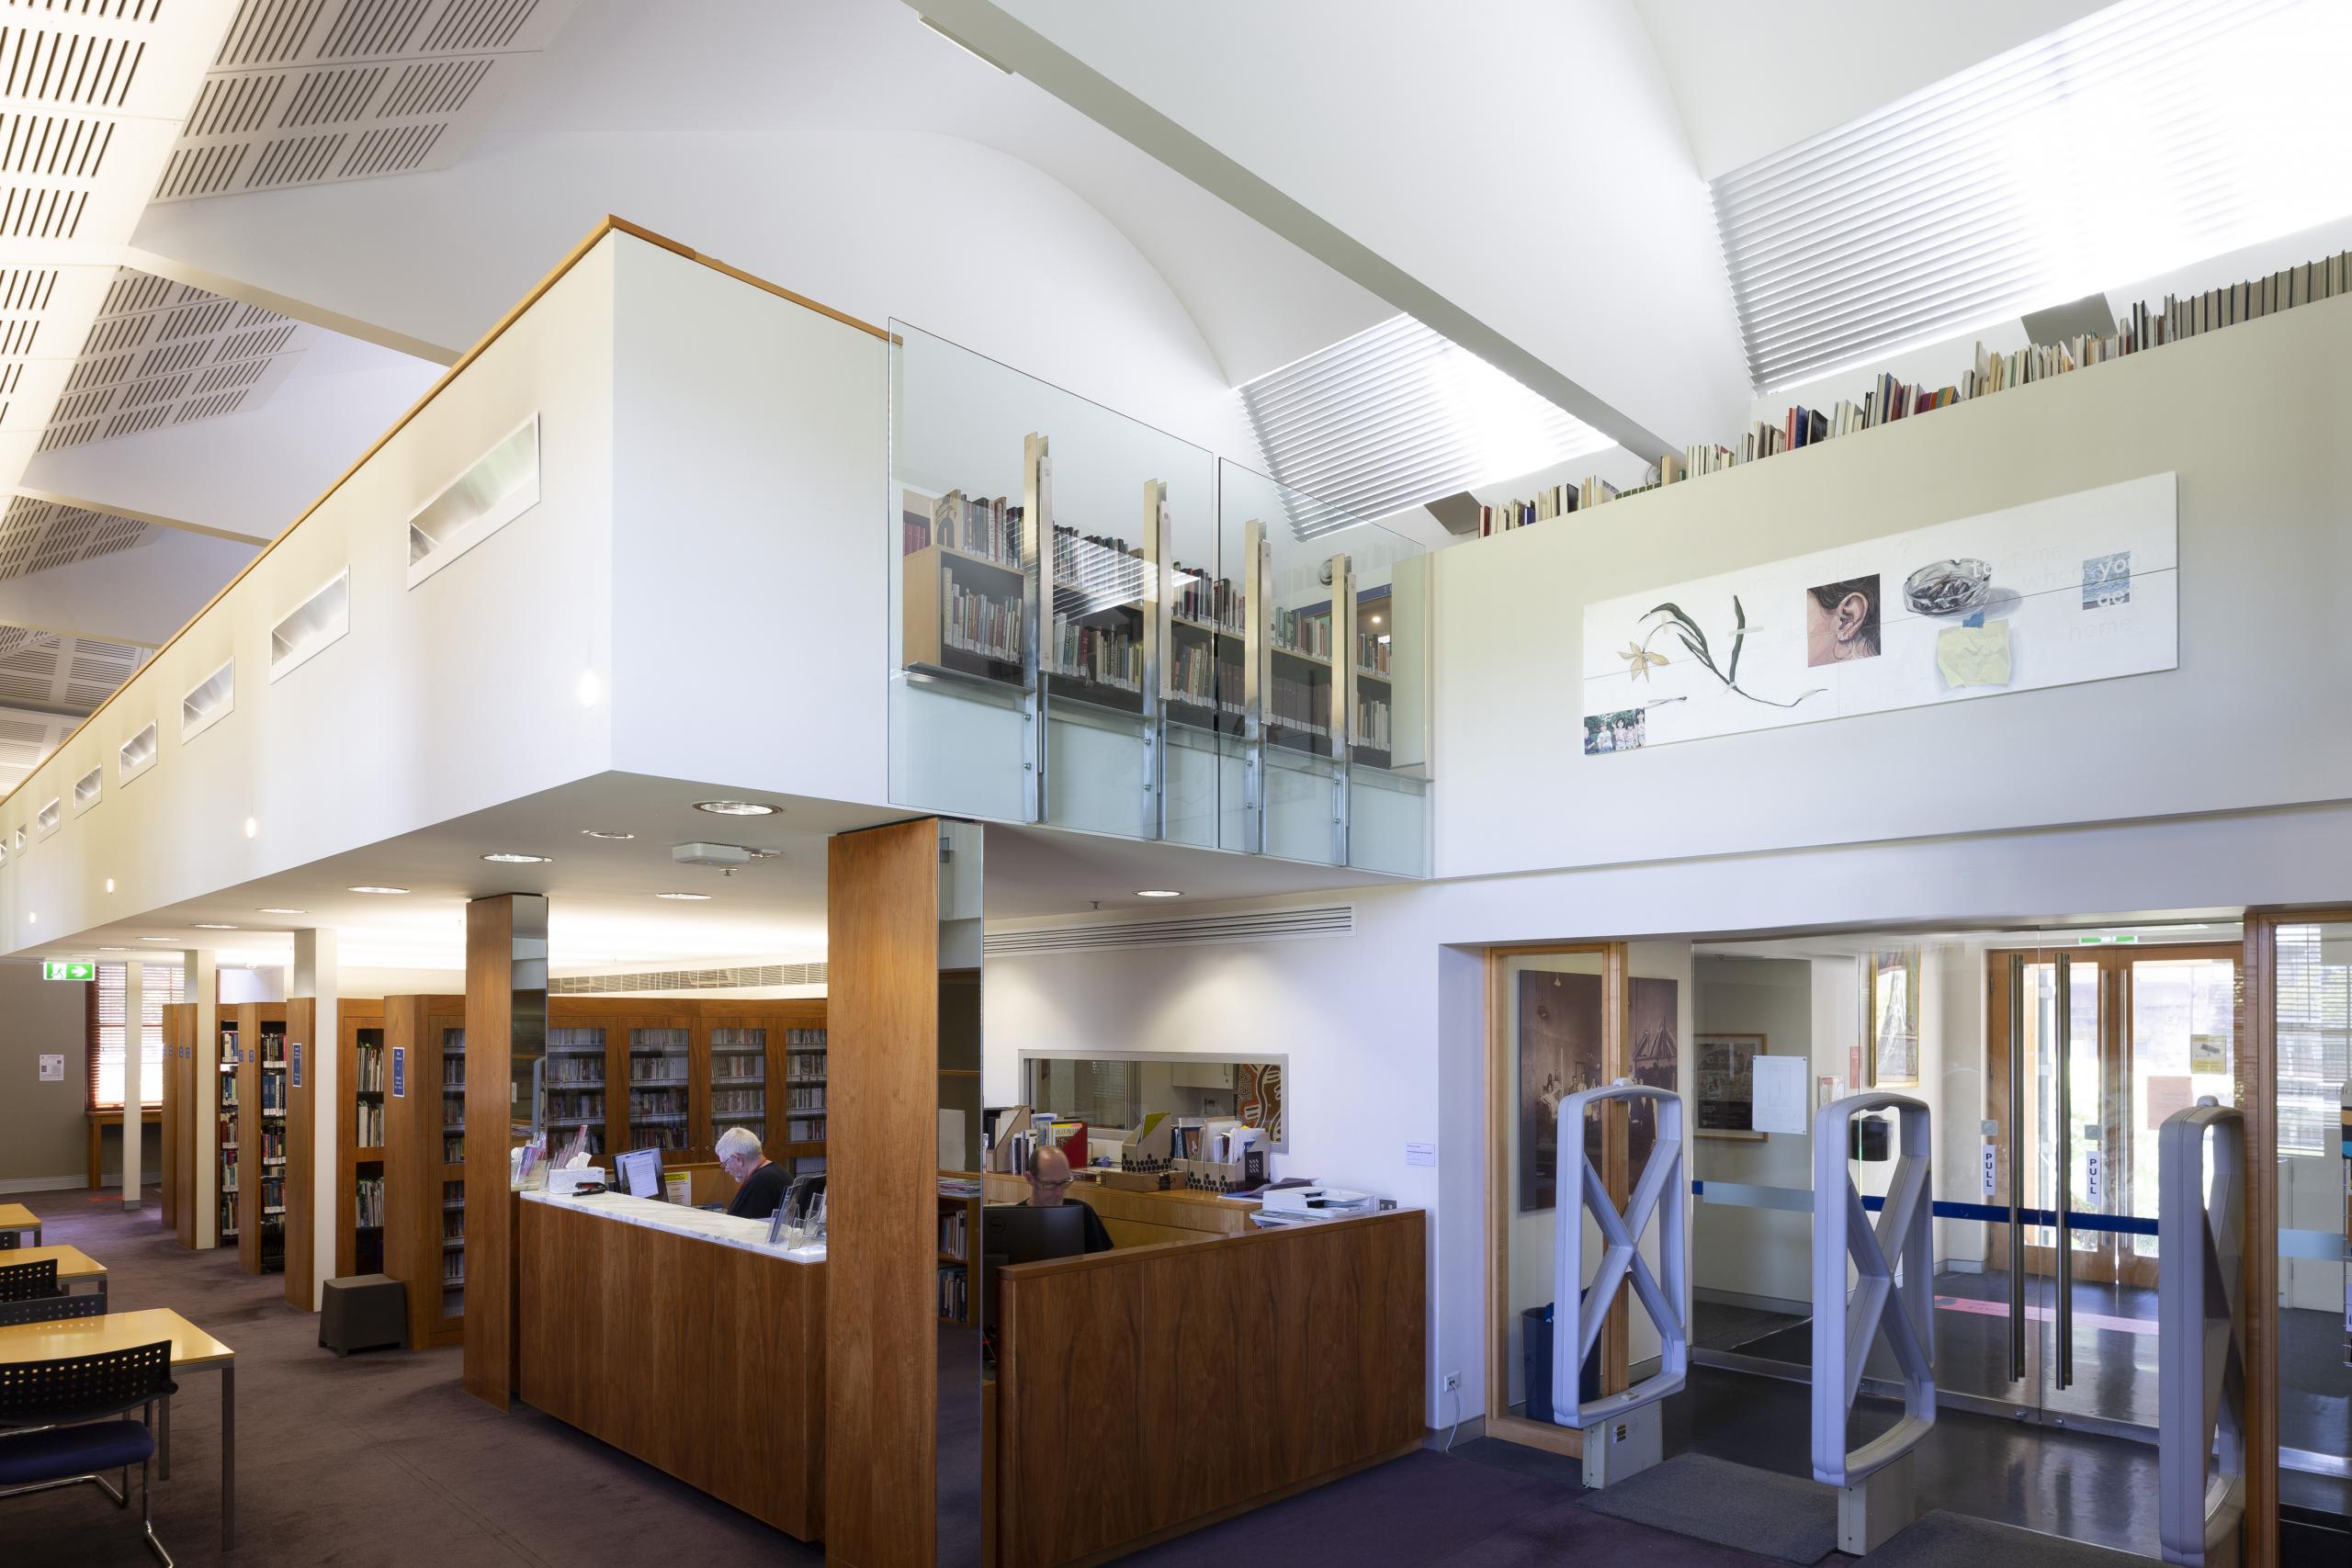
(154, 519)
(84, 633)
(286, 305)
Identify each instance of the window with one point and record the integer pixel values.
(2314, 990)
(161, 985)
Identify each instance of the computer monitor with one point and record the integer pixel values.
(641, 1173)
(1016, 1233)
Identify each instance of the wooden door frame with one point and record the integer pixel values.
(1616, 1057)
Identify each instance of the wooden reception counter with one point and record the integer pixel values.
(1150, 1391)
(679, 1336)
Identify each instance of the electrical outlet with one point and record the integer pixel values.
(1452, 1383)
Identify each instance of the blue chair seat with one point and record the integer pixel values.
(29, 1457)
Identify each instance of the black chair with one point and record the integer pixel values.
(64, 1422)
(51, 1309)
(9, 1240)
(28, 1282)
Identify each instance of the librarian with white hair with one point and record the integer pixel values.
(764, 1184)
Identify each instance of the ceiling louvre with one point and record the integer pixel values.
(163, 353)
(2142, 138)
(36, 535)
(740, 977)
(308, 92)
(1097, 936)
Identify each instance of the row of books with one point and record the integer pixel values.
(666, 1136)
(954, 1291)
(657, 1069)
(576, 1105)
(225, 1135)
(273, 1193)
(453, 1071)
(367, 1126)
(368, 1202)
(1304, 706)
(976, 525)
(1101, 654)
(738, 1101)
(367, 1071)
(272, 1144)
(227, 1183)
(453, 1226)
(1372, 726)
(981, 623)
(570, 1070)
(1299, 631)
(1195, 675)
(805, 1097)
(1212, 601)
(576, 1043)
(736, 1037)
(1372, 652)
(952, 1228)
(453, 1148)
(1093, 564)
(805, 1066)
(2141, 327)
(1557, 500)
(229, 1057)
(754, 1067)
(273, 1050)
(228, 1216)
(453, 1269)
(273, 1091)
(805, 1130)
(648, 1103)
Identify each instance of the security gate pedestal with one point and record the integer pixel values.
(1621, 1446)
(1873, 1508)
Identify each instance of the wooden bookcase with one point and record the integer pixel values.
(780, 1033)
(175, 1102)
(360, 1076)
(931, 578)
(957, 1246)
(260, 1075)
(297, 1234)
(423, 1162)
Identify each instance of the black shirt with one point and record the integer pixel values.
(1097, 1238)
(762, 1194)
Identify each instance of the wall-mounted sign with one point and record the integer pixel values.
(297, 1048)
(52, 1067)
(2080, 587)
(50, 971)
(400, 1072)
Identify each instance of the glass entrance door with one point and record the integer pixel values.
(2097, 1042)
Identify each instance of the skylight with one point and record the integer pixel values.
(2144, 137)
(1397, 416)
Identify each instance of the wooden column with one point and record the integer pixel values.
(881, 1325)
(301, 1147)
(2257, 1097)
(506, 1032)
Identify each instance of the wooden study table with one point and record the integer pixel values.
(193, 1350)
(149, 1116)
(17, 1219)
(75, 1267)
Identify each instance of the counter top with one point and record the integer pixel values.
(701, 1225)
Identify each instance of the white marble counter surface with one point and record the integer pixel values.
(703, 1224)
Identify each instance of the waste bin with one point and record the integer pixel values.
(1535, 1357)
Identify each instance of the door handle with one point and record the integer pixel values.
(2016, 1168)
(2063, 1035)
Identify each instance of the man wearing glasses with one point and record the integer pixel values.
(1049, 1186)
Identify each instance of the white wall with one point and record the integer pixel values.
(2262, 545)
(441, 700)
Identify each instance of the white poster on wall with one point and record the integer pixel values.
(2081, 587)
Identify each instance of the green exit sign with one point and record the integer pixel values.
(50, 971)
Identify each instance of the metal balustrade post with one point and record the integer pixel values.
(1621, 1430)
(2200, 1340)
(1894, 1265)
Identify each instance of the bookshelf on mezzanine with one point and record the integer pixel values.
(252, 1175)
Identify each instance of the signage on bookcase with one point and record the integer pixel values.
(297, 1048)
(400, 1072)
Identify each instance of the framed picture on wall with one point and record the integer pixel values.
(1894, 1011)
(1725, 1085)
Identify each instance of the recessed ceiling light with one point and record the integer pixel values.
(505, 859)
(693, 896)
(600, 833)
(155, 939)
(271, 912)
(213, 925)
(1158, 893)
(114, 950)
(367, 889)
(737, 807)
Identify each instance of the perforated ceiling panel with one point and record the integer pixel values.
(163, 353)
(70, 674)
(304, 92)
(25, 738)
(37, 534)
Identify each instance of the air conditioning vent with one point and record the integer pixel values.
(1097, 936)
(211, 701)
(742, 977)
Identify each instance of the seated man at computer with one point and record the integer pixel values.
(1049, 1186)
(763, 1182)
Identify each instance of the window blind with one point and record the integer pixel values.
(2142, 138)
(2315, 992)
(160, 985)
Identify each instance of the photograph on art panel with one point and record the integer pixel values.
(1841, 621)
(1657, 1063)
(1559, 1054)
(1725, 1071)
(1895, 1018)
